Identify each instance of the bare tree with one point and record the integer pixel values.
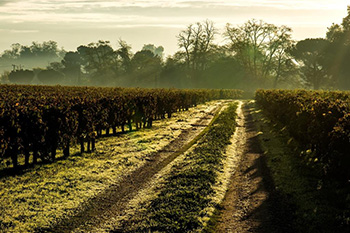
(261, 48)
(197, 41)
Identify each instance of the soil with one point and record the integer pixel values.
(251, 204)
(113, 201)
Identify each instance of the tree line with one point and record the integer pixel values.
(255, 54)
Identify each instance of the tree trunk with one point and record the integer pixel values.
(93, 148)
(35, 156)
(275, 82)
(26, 157)
(14, 158)
(130, 125)
(53, 153)
(66, 151)
(82, 146)
(88, 145)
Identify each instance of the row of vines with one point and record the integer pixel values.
(319, 121)
(38, 120)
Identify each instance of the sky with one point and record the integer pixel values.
(139, 22)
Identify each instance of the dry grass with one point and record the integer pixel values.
(46, 193)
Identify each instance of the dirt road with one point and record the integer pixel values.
(113, 201)
(250, 202)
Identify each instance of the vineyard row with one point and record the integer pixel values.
(319, 121)
(38, 120)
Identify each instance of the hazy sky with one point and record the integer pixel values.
(72, 23)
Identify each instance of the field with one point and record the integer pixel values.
(157, 160)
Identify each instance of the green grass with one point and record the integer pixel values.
(186, 192)
(46, 193)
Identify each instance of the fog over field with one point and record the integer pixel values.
(72, 23)
(182, 44)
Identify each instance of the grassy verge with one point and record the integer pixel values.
(298, 186)
(186, 192)
(43, 194)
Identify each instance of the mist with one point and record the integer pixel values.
(271, 60)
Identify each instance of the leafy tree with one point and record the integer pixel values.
(50, 77)
(47, 49)
(261, 48)
(346, 22)
(4, 77)
(311, 53)
(124, 57)
(146, 67)
(100, 61)
(12, 53)
(35, 55)
(21, 76)
(225, 73)
(338, 54)
(173, 74)
(158, 51)
(58, 66)
(72, 67)
(335, 33)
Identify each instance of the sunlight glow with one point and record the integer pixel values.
(35, 16)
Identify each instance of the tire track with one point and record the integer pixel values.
(113, 201)
(249, 204)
